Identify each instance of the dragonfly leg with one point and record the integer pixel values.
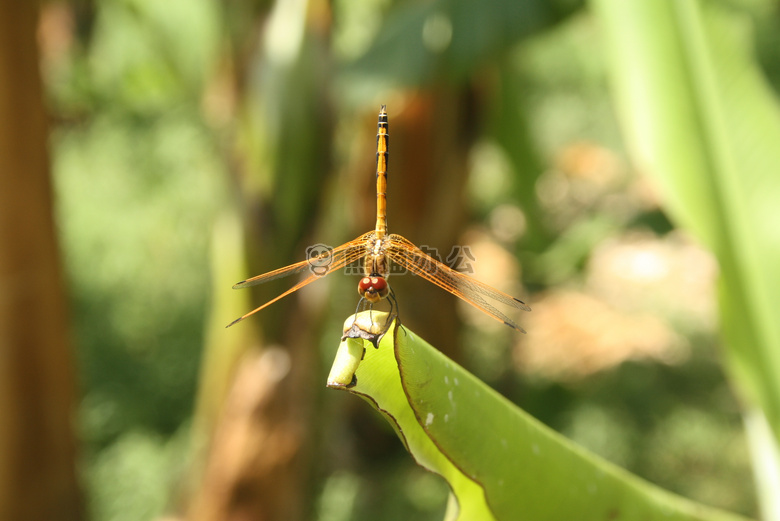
(393, 314)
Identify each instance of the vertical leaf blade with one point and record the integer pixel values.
(700, 118)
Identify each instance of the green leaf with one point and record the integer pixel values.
(500, 462)
(700, 117)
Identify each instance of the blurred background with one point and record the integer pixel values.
(194, 143)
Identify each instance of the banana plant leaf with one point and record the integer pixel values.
(500, 463)
(701, 119)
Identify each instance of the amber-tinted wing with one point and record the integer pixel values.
(478, 294)
(319, 266)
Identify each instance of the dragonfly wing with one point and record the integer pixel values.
(338, 258)
(292, 269)
(319, 265)
(404, 253)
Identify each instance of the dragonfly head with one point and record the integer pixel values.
(373, 288)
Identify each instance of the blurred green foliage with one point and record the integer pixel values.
(141, 175)
(139, 179)
(135, 203)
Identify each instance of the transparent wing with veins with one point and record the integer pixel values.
(408, 256)
(337, 258)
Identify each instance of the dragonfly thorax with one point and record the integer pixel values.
(375, 262)
(373, 286)
(376, 265)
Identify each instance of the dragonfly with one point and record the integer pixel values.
(378, 249)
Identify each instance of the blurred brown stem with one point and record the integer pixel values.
(37, 446)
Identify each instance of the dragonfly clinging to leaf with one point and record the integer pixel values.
(378, 249)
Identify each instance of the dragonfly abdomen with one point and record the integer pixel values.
(382, 155)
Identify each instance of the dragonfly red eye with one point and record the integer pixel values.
(373, 289)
